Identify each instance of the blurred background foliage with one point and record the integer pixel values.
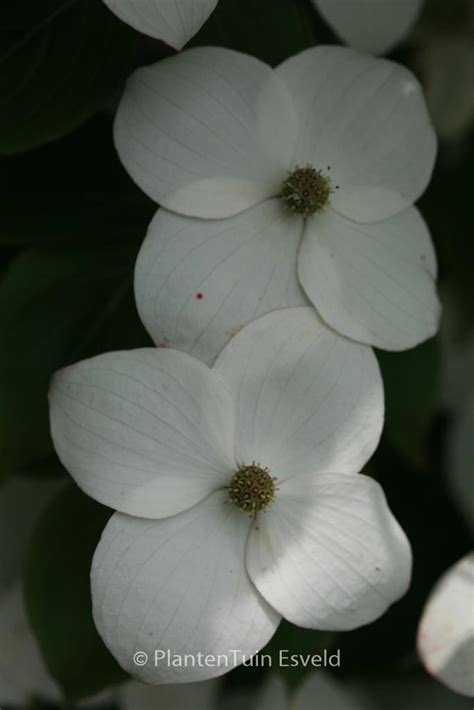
(71, 223)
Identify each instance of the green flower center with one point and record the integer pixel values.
(252, 488)
(306, 191)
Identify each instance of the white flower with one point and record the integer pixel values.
(446, 632)
(187, 454)
(213, 135)
(173, 21)
(371, 25)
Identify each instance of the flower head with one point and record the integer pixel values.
(306, 191)
(281, 186)
(194, 564)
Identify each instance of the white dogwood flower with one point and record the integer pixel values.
(173, 21)
(236, 490)
(446, 632)
(375, 26)
(274, 178)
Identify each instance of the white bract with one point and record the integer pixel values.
(235, 490)
(279, 186)
(446, 632)
(371, 25)
(173, 21)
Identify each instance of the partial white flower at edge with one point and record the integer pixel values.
(446, 632)
(281, 186)
(173, 21)
(375, 26)
(207, 550)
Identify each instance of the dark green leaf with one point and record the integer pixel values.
(410, 380)
(49, 467)
(292, 640)
(60, 61)
(447, 205)
(73, 190)
(58, 594)
(56, 307)
(271, 33)
(288, 641)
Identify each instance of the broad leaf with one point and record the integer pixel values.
(411, 393)
(58, 594)
(56, 307)
(270, 31)
(71, 191)
(60, 60)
